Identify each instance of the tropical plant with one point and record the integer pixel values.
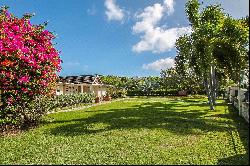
(217, 48)
(173, 78)
(29, 63)
(68, 100)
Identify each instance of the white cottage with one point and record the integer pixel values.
(81, 84)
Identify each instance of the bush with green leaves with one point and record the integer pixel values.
(30, 113)
(23, 115)
(71, 100)
(29, 63)
(114, 92)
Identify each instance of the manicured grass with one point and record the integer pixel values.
(134, 131)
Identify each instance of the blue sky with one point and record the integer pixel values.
(122, 37)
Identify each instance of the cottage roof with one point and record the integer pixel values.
(89, 79)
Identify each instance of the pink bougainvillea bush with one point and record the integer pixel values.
(29, 63)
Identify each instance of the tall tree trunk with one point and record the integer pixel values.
(239, 96)
(213, 84)
(209, 95)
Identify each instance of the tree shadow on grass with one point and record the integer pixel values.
(242, 128)
(169, 116)
(189, 118)
(238, 159)
(196, 102)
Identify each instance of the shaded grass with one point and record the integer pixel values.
(135, 131)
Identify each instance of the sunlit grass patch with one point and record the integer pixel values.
(135, 131)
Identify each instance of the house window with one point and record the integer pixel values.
(58, 90)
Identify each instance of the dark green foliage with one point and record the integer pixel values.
(31, 112)
(116, 93)
(168, 84)
(70, 100)
(117, 88)
(121, 85)
(216, 50)
(181, 79)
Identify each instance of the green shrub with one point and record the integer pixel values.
(71, 100)
(23, 114)
(30, 113)
(116, 93)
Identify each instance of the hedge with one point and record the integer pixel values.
(30, 113)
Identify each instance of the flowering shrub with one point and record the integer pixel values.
(28, 62)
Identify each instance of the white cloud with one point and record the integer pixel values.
(159, 64)
(159, 40)
(170, 6)
(113, 11)
(153, 37)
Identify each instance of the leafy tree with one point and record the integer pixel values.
(217, 48)
(170, 79)
(149, 84)
(144, 84)
(185, 79)
(117, 86)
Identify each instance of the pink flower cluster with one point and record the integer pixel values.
(28, 60)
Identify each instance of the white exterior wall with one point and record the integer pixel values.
(68, 88)
(242, 96)
(104, 92)
(99, 90)
(59, 89)
(232, 90)
(245, 111)
(243, 107)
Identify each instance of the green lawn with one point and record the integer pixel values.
(134, 131)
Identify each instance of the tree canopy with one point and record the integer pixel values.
(217, 48)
